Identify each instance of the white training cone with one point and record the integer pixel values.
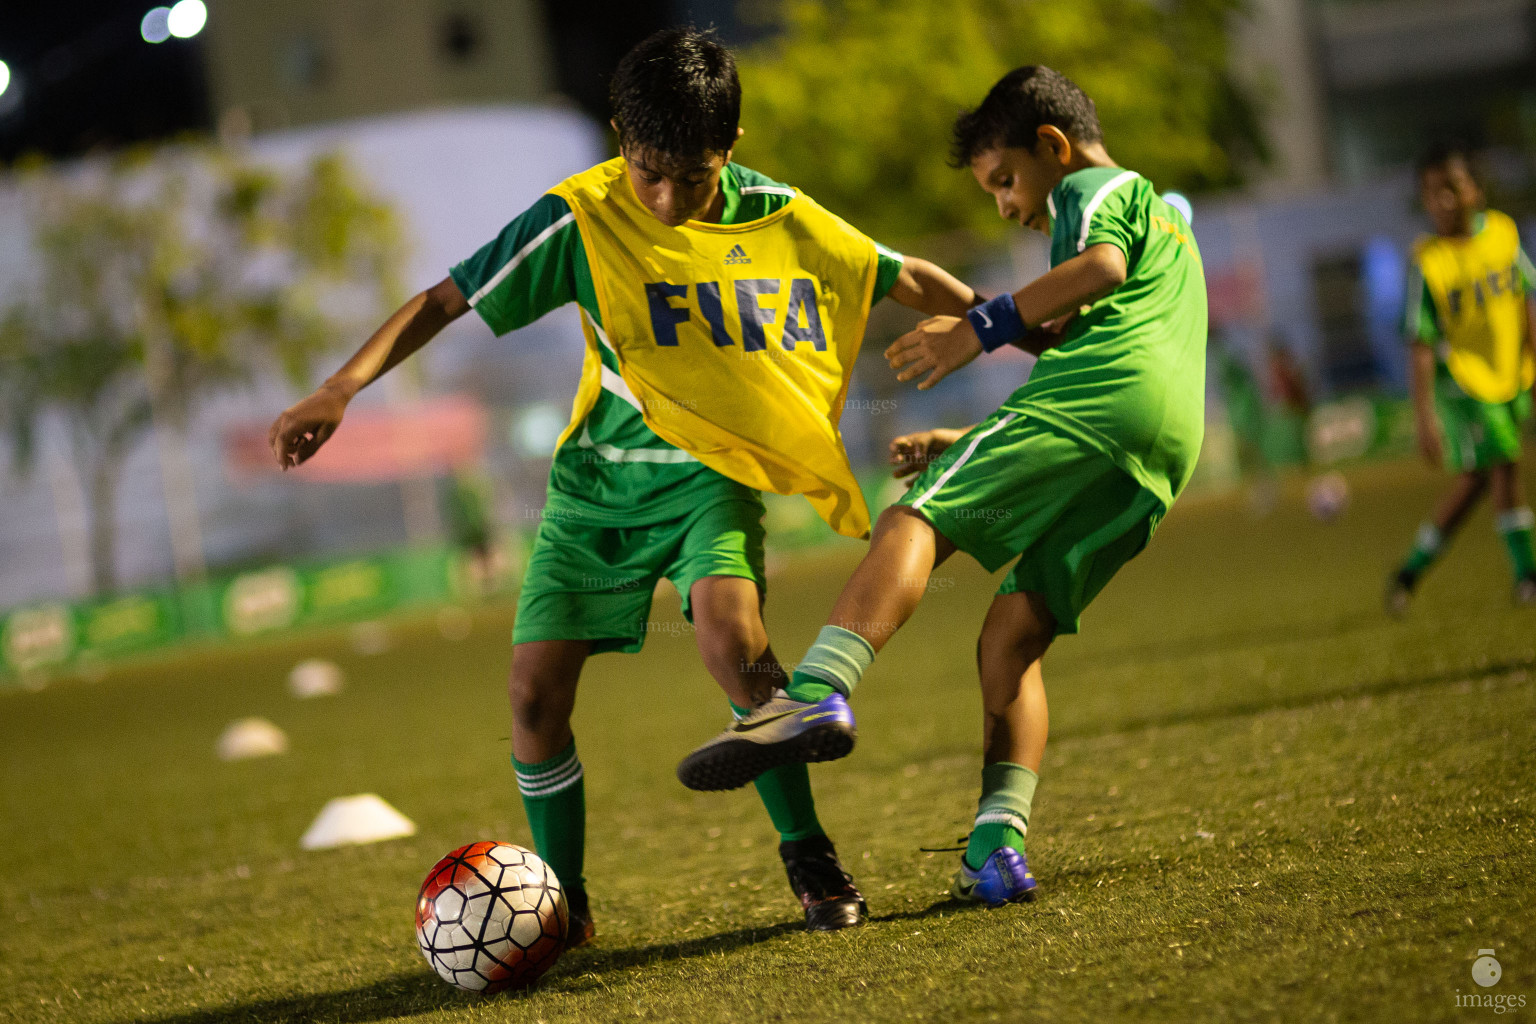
(251, 737)
(315, 677)
(371, 638)
(349, 820)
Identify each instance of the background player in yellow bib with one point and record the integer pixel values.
(1469, 325)
(723, 312)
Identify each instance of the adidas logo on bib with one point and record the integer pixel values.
(737, 255)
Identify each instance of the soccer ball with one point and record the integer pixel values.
(491, 916)
(1327, 496)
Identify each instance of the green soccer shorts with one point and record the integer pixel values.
(588, 582)
(1479, 435)
(1016, 487)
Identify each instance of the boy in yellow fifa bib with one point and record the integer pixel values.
(723, 312)
(1469, 325)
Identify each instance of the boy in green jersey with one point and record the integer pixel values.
(625, 508)
(1472, 363)
(1069, 477)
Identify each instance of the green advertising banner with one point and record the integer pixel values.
(54, 635)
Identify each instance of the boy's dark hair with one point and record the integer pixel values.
(1021, 101)
(1439, 153)
(677, 93)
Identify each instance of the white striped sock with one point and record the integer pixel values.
(1516, 519)
(552, 780)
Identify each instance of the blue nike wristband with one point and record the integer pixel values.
(997, 322)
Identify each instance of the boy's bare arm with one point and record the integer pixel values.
(412, 326)
(943, 344)
(929, 288)
(1530, 323)
(1426, 422)
(1080, 281)
(302, 428)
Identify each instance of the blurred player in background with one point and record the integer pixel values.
(1469, 325)
(746, 381)
(1070, 476)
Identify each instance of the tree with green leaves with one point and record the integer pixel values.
(164, 277)
(852, 100)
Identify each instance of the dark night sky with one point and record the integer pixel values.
(86, 80)
(83, 79)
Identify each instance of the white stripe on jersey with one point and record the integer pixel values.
(522, 254)
(614, 385)
(969, 451)
(612, 454)
(596, 329)
(1097, 200)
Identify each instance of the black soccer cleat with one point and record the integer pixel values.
(831, 901)
(581, 929)
(1399, 593)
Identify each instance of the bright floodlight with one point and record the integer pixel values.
(156, 28)
(187, 18)
(5, 77)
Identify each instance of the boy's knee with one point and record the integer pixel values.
(897, 517)
(531, 704)
(541, 698)
(1020, 624)
(728, 641)
(1021, 646)
(727, 614)
(1025, 637)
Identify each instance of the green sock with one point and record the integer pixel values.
(1515, 527)
(786, 793)
(555, 801)
(834, 664)
(1426, 548)
(1002, 813)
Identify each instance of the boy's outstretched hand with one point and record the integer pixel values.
(911, 452)
(306, 425)
(939, 346)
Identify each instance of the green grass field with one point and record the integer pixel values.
(1262, 801)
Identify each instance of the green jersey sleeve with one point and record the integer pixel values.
(1526, 270)
(1090, 207)
(527, 270)
(1420, 322)
(886, 272)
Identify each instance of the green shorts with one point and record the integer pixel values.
(1015, 486)
(1479, 434)
(587, 582)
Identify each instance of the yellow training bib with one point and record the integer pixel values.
(1479, 300)
(736, 340)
